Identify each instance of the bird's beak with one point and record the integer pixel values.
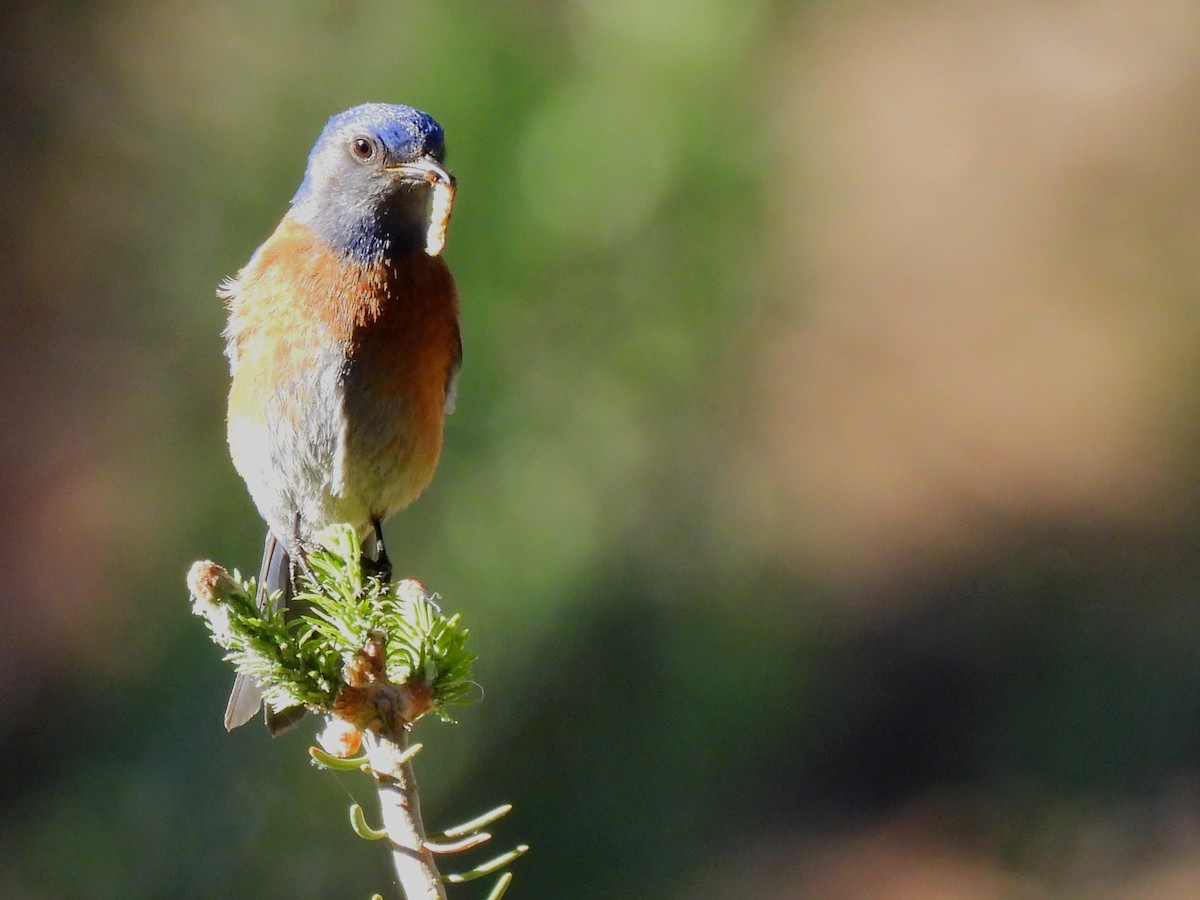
(425, 169)
(428, 170)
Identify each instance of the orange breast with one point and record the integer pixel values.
(383, 339)
(402, 351)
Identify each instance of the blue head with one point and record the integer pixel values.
(366, 185)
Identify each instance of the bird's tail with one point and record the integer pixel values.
(246, 696)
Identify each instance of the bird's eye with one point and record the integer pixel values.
(363, 148)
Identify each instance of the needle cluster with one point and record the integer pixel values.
(343, 634)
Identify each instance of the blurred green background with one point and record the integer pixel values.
(821, 493)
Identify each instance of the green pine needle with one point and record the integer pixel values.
(299, 659)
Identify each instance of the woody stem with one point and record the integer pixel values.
(401, 808)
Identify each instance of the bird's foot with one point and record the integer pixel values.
(381, 566)
(300, 565)
(375, 568)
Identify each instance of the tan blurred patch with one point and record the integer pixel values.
(897, 863)
(1176, 880)
(902, 859)
(934, 849)
(986, 247)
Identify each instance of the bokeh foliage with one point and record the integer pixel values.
(723, 632)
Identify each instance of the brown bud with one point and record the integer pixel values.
(340, 738)
(209, 582)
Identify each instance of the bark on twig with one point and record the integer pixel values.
(401, 808)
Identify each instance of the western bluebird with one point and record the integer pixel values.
(343, 343)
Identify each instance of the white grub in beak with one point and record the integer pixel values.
(440, 207)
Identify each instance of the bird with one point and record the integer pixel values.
(344, 348)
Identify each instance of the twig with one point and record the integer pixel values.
(374, 658)
(401, 808)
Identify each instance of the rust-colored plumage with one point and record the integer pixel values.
(343, 343)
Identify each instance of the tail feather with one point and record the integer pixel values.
(244, 702)
(246, 696)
